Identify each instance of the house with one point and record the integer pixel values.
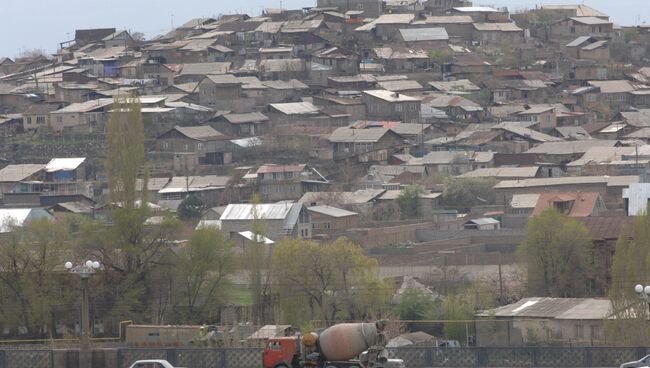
(220, 91)
(434, 37)
(8, 66)
(544, 321)
(88, 116)
(269, 53)
(458, 27)
(284, 69)
(196, 72)
(328, 221)
(484, 223)
(359, 201)
(566, 151)
(458, 107)
(636, 199)
(446, 163)
(280, 219)
(400, 85)
(505, 173)
(207, 188)
(572, 27)
(119, 38)
(460, 86)
(375, 144)
(402, 59)
(12, 175)
(572, 204)
(609, 161)
(370, 8)
(199, 145)
(386, 105)
(498, 33)
(242, 125)
(587, 47)
(543, 116)
(288, 182)
(84, 37)
(60, 180)
(341, 61)
(37, 115)
(482, 13)
(559, 12)
(615, 94)
(610, 188)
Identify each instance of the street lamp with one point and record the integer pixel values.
(643, 292)
(84, 271)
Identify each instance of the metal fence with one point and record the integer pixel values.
(414, 357)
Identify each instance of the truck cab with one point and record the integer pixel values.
(280, 352)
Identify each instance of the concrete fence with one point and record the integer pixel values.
(414, 357)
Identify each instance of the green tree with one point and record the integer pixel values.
(130, 245)
(440, 57)
(326, 282)
(459, 309)
(467, 192)
(125, 150)
(191, 208)
(557, 253)
(29, 257)
(408, 201)
(415, 305)
(630, 266)
(203, 267)
(257, 256)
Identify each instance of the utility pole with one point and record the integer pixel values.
(500, 282)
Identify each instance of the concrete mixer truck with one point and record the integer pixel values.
(345, 345)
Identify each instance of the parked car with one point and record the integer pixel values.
(152, 363)
(643, 362)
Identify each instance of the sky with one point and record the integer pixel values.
(42, 24)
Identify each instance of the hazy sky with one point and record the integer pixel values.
(43, 24)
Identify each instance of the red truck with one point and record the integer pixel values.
(345, 345)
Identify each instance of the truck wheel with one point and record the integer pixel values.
(281, 366)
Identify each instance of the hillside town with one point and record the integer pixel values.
(436, 161)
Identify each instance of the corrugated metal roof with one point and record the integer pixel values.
(501, 27)
(64, 164)
(296, 108)
(475, 9)
(503, 172)
(524, 200)
(590, 20)
(258, 238)
(578, 41)
(346, 134)
(560, 308)
(331, 211)
(390, 96)
(16, 173)
(424, 34)
(200, 133)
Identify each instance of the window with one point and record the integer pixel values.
(595, 332)
(199, 146)
(265, 189)
(59, 119)
(186, 147)
(166, 145)
(399, 108)
(40, 120)
(579, 332)
(278, 189)
(573, 30)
